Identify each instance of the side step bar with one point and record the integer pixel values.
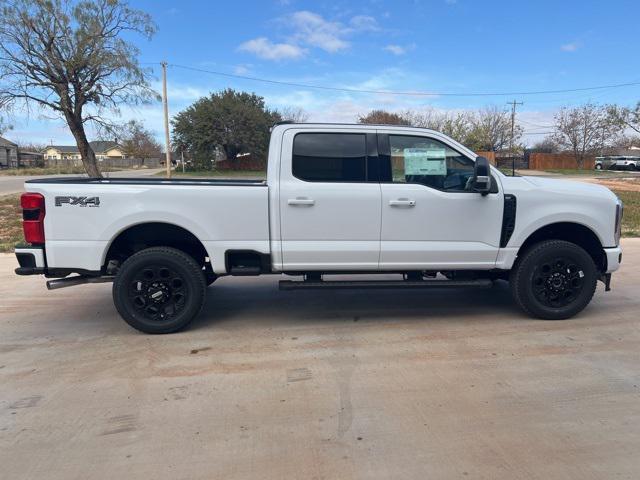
(76, 280)
(319, 284)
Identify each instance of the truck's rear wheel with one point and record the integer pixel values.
(554, 280)
(159, 290)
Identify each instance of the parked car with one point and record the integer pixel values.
(359, 199)
(617, 163)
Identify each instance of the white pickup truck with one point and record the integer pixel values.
(338, 199)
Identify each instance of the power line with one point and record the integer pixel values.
(534, 124)
(405, 93)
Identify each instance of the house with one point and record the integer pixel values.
(8, 153)
(103, 149)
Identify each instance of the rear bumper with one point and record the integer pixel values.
(614, 258)
(31, 260)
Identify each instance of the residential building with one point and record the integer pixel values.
(8, 153)
(104, 150)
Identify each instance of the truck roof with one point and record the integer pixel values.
(358, 126)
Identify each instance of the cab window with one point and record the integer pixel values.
(330, 157)
(429, 162)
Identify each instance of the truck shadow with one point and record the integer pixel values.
(258, 301)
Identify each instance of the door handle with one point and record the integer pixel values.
(301, 201)
(402, 202)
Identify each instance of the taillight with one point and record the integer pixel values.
(33, 217)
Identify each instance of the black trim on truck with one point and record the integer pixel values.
(27, 262)
(247, 262)
(150, 181)
(508, 219)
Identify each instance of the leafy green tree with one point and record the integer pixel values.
(70, 57)
(230, 122)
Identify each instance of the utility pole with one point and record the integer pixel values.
(165, 106)
(513, 104)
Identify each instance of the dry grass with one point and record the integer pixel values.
(631, 216)
(10, 222)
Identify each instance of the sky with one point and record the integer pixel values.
(432, 46)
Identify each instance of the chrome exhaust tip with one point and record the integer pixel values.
(76, 280)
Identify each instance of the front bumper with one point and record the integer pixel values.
(31, 260)
(614, 258)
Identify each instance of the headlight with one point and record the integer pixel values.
(618, 225)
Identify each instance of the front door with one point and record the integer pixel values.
(329, 201)
(431, 217)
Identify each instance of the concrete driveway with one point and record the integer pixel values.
(15, 184)
(320, 385)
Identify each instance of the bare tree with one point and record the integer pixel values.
(25, 146)
(625, 117)
(70, 57)
(382, 117)
(546, 145)
(294, 114)
(138, 142)
(456, 125)
(4, 124)
(491, 130)
(584, 130)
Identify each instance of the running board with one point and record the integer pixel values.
(313, 284)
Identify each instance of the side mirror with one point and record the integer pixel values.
(482, 176)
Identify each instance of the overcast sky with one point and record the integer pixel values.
(442, 46)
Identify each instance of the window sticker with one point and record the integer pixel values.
(425, 161)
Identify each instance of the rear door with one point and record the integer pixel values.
(329, 200)
(431, 217)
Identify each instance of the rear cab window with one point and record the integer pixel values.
(330, 157)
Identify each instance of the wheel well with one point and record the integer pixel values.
(570, 232)
(157, 234)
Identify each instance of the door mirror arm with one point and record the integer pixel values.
(482, 176)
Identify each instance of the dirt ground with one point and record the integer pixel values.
(627, 184)
(320, 385)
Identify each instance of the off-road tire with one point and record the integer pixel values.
(528, 289)
(159, 290)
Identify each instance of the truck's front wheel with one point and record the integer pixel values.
(159, 290)
(554, 280)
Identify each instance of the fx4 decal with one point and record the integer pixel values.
(79, 201)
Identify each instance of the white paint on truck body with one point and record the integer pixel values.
(342, 226)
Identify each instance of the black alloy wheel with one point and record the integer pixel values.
(558, 282)
(159, 290)
(553, 280)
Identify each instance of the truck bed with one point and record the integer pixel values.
(232, 216)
